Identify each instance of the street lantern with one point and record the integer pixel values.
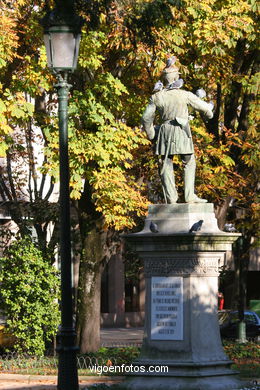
(62, 47)
(62, 27)
(62, 37)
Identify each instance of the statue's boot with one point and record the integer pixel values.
(189, 179)
(168, 181)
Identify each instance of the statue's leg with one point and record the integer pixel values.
(189, 179)
(189, 175)
(168, 181)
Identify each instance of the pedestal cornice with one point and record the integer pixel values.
(151, 242)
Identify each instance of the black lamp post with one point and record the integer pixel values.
(62, 37)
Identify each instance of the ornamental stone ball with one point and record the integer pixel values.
(174, 135)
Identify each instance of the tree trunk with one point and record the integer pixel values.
(88, 296)
(221, 211)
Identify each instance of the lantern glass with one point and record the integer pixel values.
(62, 47)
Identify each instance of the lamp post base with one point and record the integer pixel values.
(67, 367)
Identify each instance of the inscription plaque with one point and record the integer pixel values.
(167, 308)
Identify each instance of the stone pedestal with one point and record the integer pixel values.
(181, 323)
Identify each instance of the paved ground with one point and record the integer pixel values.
(121, 336)
(27, 382)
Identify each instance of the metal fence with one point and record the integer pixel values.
(255, 340)
(16, 363)
(120, 344)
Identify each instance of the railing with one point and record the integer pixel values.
(12, 362)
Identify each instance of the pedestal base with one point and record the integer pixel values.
(200, 382)
(181, 322)
(179, 218)
(159, 374)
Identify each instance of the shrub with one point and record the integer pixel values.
(28, 296)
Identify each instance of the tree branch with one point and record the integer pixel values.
(4, 189)
(32, 170)
(47, 196)
(10, 176)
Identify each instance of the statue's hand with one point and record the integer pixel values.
(150, 132)
(211, 105)
(156, 129)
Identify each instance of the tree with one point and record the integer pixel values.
(25, 190)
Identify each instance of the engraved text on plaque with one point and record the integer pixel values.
(167, 308)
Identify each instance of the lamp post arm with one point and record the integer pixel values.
(63, 13)
(67, 6)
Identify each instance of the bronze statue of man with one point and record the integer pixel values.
(174, 135)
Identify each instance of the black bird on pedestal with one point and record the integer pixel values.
(153, 227)
(196, 226)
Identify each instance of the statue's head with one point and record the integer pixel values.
(171, 71)
(170, 75)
